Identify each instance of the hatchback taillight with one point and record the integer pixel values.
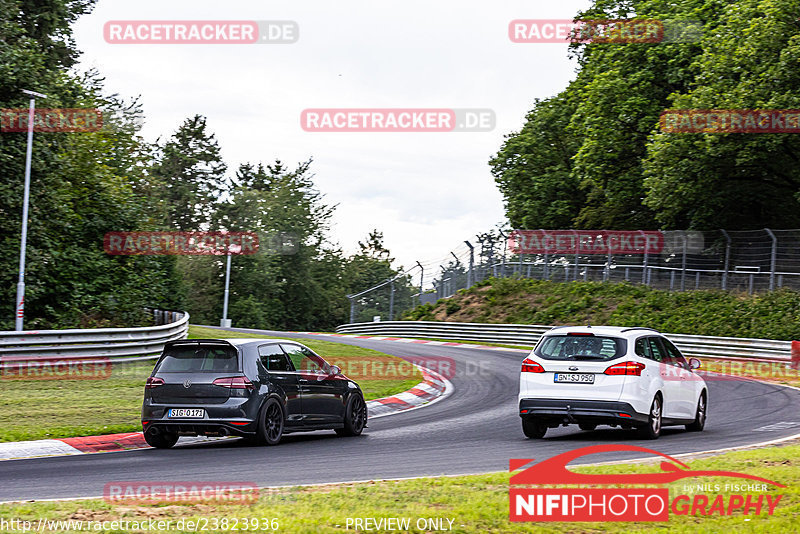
(530, 366)
(153, 382)
(625, 368)
(234, 382)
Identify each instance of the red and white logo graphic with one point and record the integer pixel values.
(638, 500)
(586, 242)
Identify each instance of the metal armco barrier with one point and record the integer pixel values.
(529, 334)
(115, 345)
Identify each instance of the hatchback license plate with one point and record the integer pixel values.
(576, 378)
(187, 413)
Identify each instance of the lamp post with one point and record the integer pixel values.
(20, 309)
(225, 322)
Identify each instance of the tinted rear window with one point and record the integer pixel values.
(199, 358)
(577, 348)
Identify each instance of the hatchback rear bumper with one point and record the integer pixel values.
(235, 417)
(580, 411)
(200, 428)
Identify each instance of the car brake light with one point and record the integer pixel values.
(153, 382)
(625, 368)
(580, 334)
(234, 382)
(530, 366)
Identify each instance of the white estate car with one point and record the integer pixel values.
(593, 375)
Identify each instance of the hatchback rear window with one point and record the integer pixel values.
(580, 347)
(199, 358)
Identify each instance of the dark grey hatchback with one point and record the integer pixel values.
(259, 389)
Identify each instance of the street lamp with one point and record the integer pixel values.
(20, 310)
(225, 322)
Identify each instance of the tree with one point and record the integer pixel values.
(191, 176)
(533, 168)
(82, 186)
(371, 266)
(750, 60)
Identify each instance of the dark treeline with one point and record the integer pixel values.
(593, 156)
(86, 184)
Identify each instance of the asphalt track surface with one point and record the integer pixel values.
(476, 429)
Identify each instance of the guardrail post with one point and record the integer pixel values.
(773, 260)
(727, 259)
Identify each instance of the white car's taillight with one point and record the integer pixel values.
(625, 368)
(530, 366)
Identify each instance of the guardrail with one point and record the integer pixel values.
(108, 345)
(529, 334)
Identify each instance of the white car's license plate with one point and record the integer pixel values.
(574, 378)
(187, 413)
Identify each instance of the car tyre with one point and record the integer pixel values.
(653, 428)
(270, 423)
(700, 415)
(533, 428)
(355, 416)
(587, 426)
(162, 440)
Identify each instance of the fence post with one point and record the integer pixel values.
(546, 272)
(577, 249)
(683, 261)
(727, 259)
(352, 308)
(491, 256)
(646, 258)
(391, 300)
(470, 278)
(421, 278)
(773, 259)
(505, 244)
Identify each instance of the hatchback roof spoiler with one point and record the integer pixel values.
(197, 341)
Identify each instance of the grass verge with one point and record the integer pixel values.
(60, 408)
(475, 503)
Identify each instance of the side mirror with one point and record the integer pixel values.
(335, 370)
(694, 363)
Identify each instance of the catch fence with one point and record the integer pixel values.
(735, 260)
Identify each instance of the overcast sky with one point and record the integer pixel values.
(426, 191)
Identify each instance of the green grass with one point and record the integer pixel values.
(770, 315)
(43, 409)
(476, 503)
